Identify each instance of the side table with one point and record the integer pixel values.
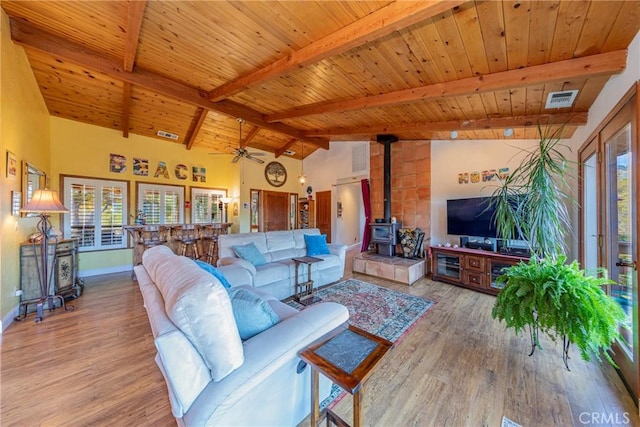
(347, 356)
(304, 290)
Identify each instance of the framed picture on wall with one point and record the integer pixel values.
(12, 166)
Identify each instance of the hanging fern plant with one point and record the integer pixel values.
(547, 294)
(558, 299)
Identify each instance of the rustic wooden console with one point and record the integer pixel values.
(472, 268)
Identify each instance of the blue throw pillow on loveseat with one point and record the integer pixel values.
(316, 244)
(252, 313)
(213, 271)
(251, 253)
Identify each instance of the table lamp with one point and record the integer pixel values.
(44, 202)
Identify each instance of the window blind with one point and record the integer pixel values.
(97, 212)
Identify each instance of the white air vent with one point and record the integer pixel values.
(562, 99)
(289, 152)
(168, 135)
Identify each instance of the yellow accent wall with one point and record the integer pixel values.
(84, 150)
(252, 178)
(24, 130)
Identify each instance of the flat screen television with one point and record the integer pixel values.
(471, 217)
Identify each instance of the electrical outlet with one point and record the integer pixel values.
(18, 292)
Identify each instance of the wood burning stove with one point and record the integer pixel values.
(385, 236)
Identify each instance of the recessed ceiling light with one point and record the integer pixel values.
(454, 134)
(508, 132)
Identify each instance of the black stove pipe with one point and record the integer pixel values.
(387, 140)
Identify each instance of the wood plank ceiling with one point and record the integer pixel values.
(324, 70)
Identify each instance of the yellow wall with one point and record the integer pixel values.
(24, 130)
(252, 175)
(81, 149)
(84, 150)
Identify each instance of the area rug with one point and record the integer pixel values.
(378, 310)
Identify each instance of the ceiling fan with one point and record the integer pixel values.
(242, 152)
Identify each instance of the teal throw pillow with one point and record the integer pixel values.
(214, 272)
(253, 314)
(316, 244)
(250, 252)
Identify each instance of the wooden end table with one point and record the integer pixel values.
(304, 290)
(347, 356)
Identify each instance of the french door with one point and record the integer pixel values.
(609, 224)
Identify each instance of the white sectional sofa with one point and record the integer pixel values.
(277, 276)
(214, 378)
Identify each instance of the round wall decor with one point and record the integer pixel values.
(276, 174)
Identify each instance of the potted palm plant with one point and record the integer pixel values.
(549, 295)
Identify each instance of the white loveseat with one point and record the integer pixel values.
(254, 382)
(277, 276)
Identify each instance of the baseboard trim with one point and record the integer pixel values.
(355, 245)
(8, 319)
(107, 270)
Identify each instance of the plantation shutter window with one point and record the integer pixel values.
(206, 205)
(172, 205)
(97, 212)
(112, 217)
(82, 214)
(161, 204)
(151, 206)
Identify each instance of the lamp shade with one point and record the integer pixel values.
(44, 201)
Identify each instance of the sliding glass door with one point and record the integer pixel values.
(590, 239)
(621, 234)
(609, 224)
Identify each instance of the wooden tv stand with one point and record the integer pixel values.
(471, 268)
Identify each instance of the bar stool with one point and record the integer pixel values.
(188, 236)
(152, 235)
(209, 235)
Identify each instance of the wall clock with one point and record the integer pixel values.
(276, 174)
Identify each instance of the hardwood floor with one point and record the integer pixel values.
(457, 367)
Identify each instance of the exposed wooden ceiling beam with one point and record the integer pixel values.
(589, 66)
(280, 151)
(200, 117)
(462, 125)
(135, 14)
(35, 38)
(249, 137)
(126, 108)
(380, 23)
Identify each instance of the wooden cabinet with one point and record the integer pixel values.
(306, 213)
(471, 268)
(65, 280)
(447, 266)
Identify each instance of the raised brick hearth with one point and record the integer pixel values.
(394, 268)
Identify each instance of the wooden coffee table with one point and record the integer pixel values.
(347, 356)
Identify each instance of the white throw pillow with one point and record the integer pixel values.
(199, 306)
(204, 314)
